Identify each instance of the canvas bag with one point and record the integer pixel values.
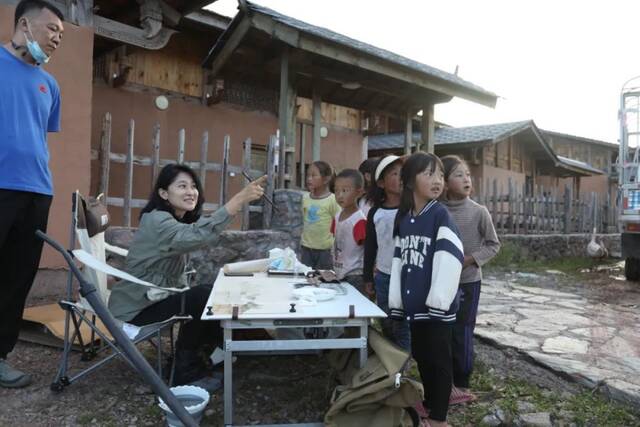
(376, 395)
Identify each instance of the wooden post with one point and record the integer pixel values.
(267, 210)
(303, 153)
(128, 183)
(428, 129)
(538, 201)
(511, 207)
(246, 167)
(408, 131)
(581, 215)
(317, 124)
(181, 143)
(567, 209)
(155, 154)
(502, 210)
(105, 154)
(517, 197)
(525, 209)
(224, 172)
(594, 209)
(204, 153)
(495, 204)
(286, 120)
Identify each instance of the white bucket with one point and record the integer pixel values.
(194, 399)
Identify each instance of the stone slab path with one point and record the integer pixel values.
(595, 339)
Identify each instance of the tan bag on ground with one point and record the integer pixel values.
(376, 395)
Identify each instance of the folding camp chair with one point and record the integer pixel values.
(78, 311)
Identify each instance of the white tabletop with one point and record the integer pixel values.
(269, 297)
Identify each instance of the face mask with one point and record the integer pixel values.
(34, 48)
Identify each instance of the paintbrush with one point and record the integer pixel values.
(264, 196)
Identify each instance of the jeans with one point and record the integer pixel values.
(395, 330)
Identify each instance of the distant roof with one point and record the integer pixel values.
(607, 144)
(450, 135)
(483, 134)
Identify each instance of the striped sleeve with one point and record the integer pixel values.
(395, 296)
(447, 265)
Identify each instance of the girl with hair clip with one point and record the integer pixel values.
(425, 272)
(172, 226)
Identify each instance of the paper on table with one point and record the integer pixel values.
(252, 266)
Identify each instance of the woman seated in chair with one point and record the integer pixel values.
(171, 226)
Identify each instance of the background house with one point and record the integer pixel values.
(516, 163)
(245, 77)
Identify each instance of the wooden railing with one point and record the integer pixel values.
(202, 167)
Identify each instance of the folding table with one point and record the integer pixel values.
(269, 302)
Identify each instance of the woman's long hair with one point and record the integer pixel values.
(417, 163)
(166, 177)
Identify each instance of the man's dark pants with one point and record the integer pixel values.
(21, 214)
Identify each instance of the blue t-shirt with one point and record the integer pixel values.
(29, 108)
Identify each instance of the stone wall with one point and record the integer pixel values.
(232, 246)
(552, 246)
(288, 218)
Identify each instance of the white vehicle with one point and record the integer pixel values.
(629, 177)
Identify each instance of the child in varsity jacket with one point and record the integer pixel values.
(425, 272)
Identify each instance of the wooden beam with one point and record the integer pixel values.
(227, 43)
(317, 124)
(408, 131)
(428, 126)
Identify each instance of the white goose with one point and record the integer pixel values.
(595, 249)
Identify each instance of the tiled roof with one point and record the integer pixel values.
(341, 39)
(451, 135)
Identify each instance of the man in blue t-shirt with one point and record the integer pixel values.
(29, 109)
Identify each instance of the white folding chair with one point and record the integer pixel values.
(78, 311)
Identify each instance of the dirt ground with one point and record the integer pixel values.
(277, 389)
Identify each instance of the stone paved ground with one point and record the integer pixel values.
(586, 326)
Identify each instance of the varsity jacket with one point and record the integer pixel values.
(426, 266)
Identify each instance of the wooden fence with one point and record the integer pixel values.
(545, 211)
(202, 167)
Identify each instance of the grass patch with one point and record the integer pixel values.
(590, 409)
(512, 257)
(494, 392)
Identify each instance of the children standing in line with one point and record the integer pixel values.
(378, 251)
(480, 245)
(426, 268)
(349, 228)
(319, 207)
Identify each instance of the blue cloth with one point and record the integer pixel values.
(29, 108)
